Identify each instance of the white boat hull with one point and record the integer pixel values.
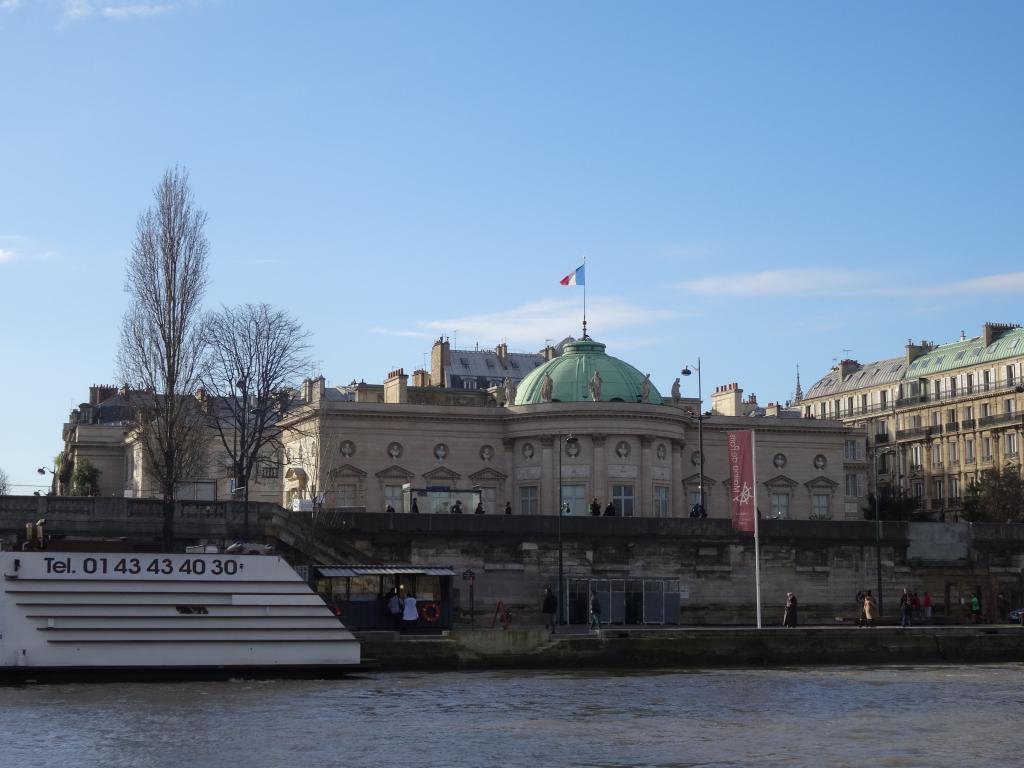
(150, 612)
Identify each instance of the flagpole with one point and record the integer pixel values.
(757, 538)
(584, 295)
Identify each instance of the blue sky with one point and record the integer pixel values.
(759, 184)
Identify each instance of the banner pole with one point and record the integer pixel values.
(757, 538)
(584, 295)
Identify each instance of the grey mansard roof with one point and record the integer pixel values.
(877, 374)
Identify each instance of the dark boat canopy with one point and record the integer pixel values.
(343, 571)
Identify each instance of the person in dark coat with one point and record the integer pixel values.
(479, 508)
(595, 508)
(415, 508)
(456, 508)
(609, 511)
(595, 612)
(789, 617)
(549, 608)
(508, 507)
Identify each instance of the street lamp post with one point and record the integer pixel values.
(563, 441)
(878, 519)
(700, 429)
(53, 483)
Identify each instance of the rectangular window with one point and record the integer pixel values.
(1008, 407)
(986, 411)
(918, 489)
(622, 498)
(951, 416)
(970, 383)
(1011, 444)
(821, 411)
(936, 388)
(968, 412)
(854, 484)
(985, 380)
(661, 501)
(915, 456)
(954, 453)
(489, 498)
(915, 422)
(986, 448)
(883, 398)
(574, 499)
(969, 451)
(937, 490)
(864, 403)
(528, 500)
(1009, 376)
(780, 506)
(937, 455)
(849, 406)
(469, 383)
(952, 386)
(820, 509)
(393, 498)
(346, 495)
(936, 418)
(694, 497)
(954, 487)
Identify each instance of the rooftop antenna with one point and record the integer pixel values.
(455, 338)
(846, 352)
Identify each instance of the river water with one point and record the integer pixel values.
(841, 716)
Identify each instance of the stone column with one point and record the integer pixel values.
(678, 490)
(599, 472)
(510, 469)
(548, 475)
(645, 480)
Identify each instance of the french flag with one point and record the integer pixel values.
(574, 278)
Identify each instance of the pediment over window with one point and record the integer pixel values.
(347, 470)
(821, 483)
(781, 483)
(395, 472)
(488, 475)
(694, 480)
(441, 476)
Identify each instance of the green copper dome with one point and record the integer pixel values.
(572, 372)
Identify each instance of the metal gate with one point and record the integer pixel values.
(624, 601)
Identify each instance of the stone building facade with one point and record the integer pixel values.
(936, 417)
(562, 441)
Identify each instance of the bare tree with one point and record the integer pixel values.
(255, 355)
(5, 485)
(162, 337)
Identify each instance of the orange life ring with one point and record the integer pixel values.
(430, 612)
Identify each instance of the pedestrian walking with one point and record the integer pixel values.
(549, 608)
(926, 603)
(595, 612)
(860, 608)
(870, 609)
(976, 608)
(789, 617)
(906, 608)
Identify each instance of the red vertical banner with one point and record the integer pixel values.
(741, 479)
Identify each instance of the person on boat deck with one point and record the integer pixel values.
(508, 507)
(609, 511)
(390, 510)
(456, 507)
(595, 507)
(409, 613)
(479, 508)
(395, 608)
(415, 508)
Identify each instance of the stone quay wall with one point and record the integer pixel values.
(824, 562)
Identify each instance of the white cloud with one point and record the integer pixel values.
(788, 282)
(410, 334)
(532, 325)
(836, 282)
(79, 10)
(6, 255)
(138, 10)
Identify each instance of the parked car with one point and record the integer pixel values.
(1017, 615)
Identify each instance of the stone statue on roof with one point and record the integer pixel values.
(595, 386)
(546, 388)
(676, 394)
(645, 388)
(510, 391)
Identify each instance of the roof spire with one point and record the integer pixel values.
(799, 394)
